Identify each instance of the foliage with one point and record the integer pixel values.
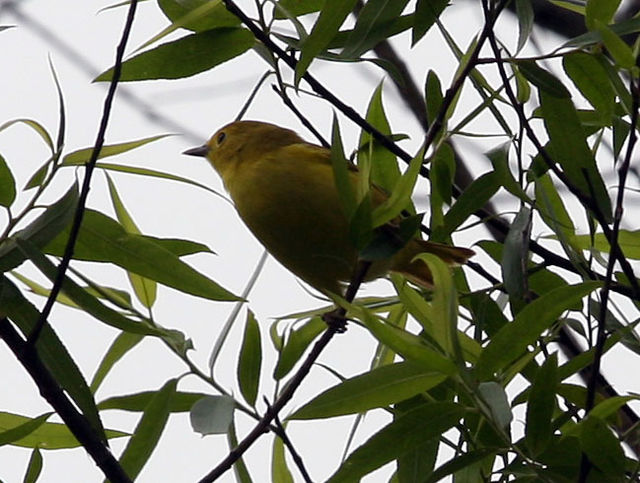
(524, 335)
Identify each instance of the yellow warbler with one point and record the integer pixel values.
(283, 189)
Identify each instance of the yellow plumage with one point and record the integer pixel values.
(283, 189)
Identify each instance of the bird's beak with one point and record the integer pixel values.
(199, 151)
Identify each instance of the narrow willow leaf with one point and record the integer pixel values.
(524, 12)
(181, 402)
(122, 344)
(186, 56)
(384, 166)
(157, 174)
(495, 397)
(240, 469)
(341, 171)
(602, 447)
(600, 11)
(332, 15)
(619, 50)
(476, 195)
(409, 346)
(42, 230)
(444, 307)
(296, 344)
(398, 438)
(511, 341)
(441, 176)
(280, 472)
(51, 350)
(103, 239)
(7, 184)
(400, 198)
(426, 14)
(296, 8)
(540, 407)
(458, 463)
(34, 468)
(552, 209)
(543, 79)
(39, 176)
(215, 17)
(571, 151)
(250, 360)
(8, 436)
(212, 415)
(591, 78)
(145, 289)
(433, 95)
(82, 156)
(516, 255)
(148, 431)
(379, 387)
(36, 126)
(368, 32)
(499, 157)
(46, 435)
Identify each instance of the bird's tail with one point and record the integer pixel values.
(417, 271)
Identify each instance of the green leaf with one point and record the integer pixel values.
(42, 230)
(34, 468)
(543, 79)
(408, 345)
(458, 463)
(46, 435)
(36, 126)
(426, 14)
(400, 197)
(250, 360)
(369, 29)
(475, 196)
(541, 403)
(600, 11)
(240, 469)
(39, 176)
(591, 78)
(379, 387)
(216, 17)
(21, 430)
(516, 255)
(212, 415)
(602, 447)
(384, 166)
(280, 473)
(398, 438)
(82, 156)
(511, 341)
(156, 174)
(433, 95)
(524, 12)
(571, 151)
(296, 344)
(495, 397)
(619, 50)
(122, 344)
(148, 431)
(499, 157)
(341, 172)
(186, 56)
(145, 289)
(181, 402)
(552, 209)
(296, 8)
(332, 15)
(103, 239)
(52, 352)
(82, 298)
(7, 184)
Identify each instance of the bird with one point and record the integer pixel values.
(284, 190)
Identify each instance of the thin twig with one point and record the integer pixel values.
(285, 396)
(86, 184)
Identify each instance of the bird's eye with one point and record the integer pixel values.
(221, 138)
